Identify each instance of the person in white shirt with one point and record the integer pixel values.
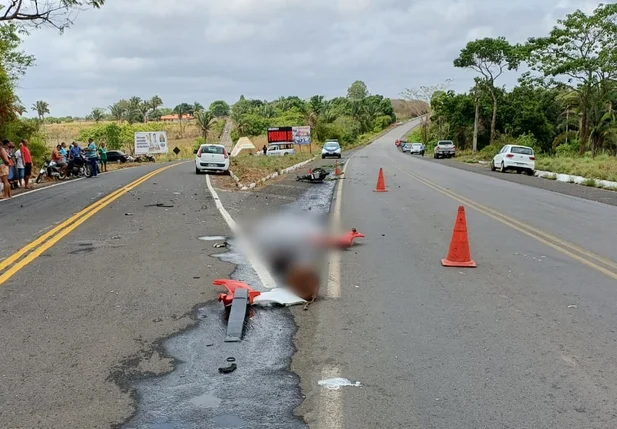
(21, 170)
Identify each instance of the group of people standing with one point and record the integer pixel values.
(15, 167)
(95, 155)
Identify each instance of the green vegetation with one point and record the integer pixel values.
(250, 168)
(349, 119)
(564, 108)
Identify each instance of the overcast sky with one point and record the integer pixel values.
(203, 50)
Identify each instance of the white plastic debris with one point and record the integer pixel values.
(337, 383)
(278, 296)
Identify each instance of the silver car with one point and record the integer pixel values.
(416, 148)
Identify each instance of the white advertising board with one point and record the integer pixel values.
(151, 142)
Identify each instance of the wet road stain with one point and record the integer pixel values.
(260, 392)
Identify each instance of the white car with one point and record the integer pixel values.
(331, 148)
(280, 149)
(514, 157)
(212, 157)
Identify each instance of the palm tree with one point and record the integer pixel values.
(182, 110)
(20, 109)
(155, 103)
(97, 114)
(117, 111)
(144, 108)
(41, 108)
(205, 121)
(197, 107)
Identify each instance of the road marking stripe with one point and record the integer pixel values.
(262, 272)
(334, 272)
(46, 241)
(541, 236)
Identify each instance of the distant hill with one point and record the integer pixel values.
(408, 108)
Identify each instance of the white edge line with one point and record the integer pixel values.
(65, 182)
(334, 273)
(264, 275)
(330, 403)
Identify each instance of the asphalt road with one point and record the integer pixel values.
(525, 340)
(85, 318)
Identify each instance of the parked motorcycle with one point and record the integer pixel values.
(51, 170)
(79, 167)
(145, 158)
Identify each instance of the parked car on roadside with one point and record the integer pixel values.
(444, 149)
(116, 156)
(211, 157)
(331, 148)
(405, 147)
(514, 157)
(417, 148)
(280, 149)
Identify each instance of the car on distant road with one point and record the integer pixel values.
(418, 148)
(444, 149)
(514, 157)
(116, 156)
(331, 148)
(280, 149)
(212, 157)
(405, 147)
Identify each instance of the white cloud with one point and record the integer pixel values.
(202, 50)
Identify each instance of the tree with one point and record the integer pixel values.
(117, 111)
(144, 108)
(197, 107)
(15, 61)
(182, 110)
(97, 114)
(424, 95)
(55, 13)
(489, 57)
(582, 49)
(219, 108)
(41, 108)
(155, 102)
(205, 120)
(357, 91)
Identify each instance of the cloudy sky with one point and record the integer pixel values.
(203, 50)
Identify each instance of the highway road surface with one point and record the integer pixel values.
(525, 340)
(108, 317)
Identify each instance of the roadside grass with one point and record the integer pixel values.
(602, 167)
(250, 168)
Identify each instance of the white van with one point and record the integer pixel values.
(280, 149)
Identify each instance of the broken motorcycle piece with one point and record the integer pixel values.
(344, 241)
(317, 175)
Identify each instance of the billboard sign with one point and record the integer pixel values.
(301, 135)
(150, 142)
(280, 135)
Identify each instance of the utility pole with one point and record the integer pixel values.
(567, 122)
(475, 122)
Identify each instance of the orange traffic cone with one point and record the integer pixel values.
(459, 255)
(381, 183)
(337, 170)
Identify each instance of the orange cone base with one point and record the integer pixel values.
(468, 264)
(381, 190)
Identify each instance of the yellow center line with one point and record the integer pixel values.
(47, 240)
(550, 240)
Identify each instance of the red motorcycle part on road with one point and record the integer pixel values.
(231, 286)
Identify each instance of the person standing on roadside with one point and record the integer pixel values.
(4, 170)
(27, 159)
(92, 157)
(103, 156)
(19, 163)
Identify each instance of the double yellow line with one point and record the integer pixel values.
(33, 250)
(590, 259)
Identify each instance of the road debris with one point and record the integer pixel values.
(337, 383)
(572, 306)
(231, 368)
(219, 245)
